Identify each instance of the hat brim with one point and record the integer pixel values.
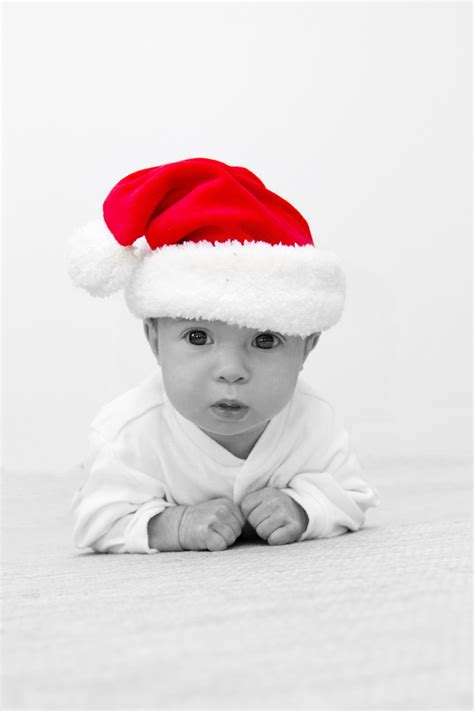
(294, 290)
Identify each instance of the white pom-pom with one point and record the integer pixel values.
(97, 262)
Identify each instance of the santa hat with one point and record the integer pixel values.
(199, 239)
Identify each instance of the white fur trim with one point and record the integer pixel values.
(294, 290)
(97, 262)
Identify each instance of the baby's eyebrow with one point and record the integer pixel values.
(190, 320)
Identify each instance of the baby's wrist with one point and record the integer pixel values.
(163, 529)
(302, 518)
(180, 532)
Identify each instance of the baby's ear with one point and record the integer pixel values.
(150, 328)
(310, 343)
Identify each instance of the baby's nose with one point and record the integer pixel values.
(232, 368)
(231, 378)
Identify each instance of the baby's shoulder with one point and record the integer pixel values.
(145, 398)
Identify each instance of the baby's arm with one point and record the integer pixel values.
(120, 509)
(327, 499)
(112, 509)
(211, 525)
(334, 493)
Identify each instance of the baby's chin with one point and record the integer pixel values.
(218, 422)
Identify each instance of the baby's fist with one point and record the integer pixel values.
(211, 525)
(274, 515)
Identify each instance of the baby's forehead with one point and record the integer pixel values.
(182, 322)
(203, 321)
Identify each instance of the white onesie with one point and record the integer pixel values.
(144, 456)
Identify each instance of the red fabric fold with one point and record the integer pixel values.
(200, 199)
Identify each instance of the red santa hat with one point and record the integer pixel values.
(199, 239)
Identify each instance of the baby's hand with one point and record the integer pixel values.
(274, 515)
(211, 525)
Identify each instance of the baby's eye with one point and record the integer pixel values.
(266, 340)
(197, 337)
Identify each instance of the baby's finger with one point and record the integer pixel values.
(250, 502)
(280, 536)
(235, 510)
(226, 531)
(267, 527)
(257, 516)
(234, 523)
(215, 542)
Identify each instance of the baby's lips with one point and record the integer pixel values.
(229, 403)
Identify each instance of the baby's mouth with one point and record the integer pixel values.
(229, 404)
(230, 409)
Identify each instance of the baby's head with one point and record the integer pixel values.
(204, 362)
(200, 239)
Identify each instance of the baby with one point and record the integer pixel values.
(224, 439)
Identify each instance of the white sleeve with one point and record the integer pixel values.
(336, 496)
(112, 509)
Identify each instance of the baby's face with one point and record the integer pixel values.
(206, 361)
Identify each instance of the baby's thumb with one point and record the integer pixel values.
(238, 514)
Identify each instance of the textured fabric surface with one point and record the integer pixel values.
(377, 619)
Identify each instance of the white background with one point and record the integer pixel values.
(358, 114)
